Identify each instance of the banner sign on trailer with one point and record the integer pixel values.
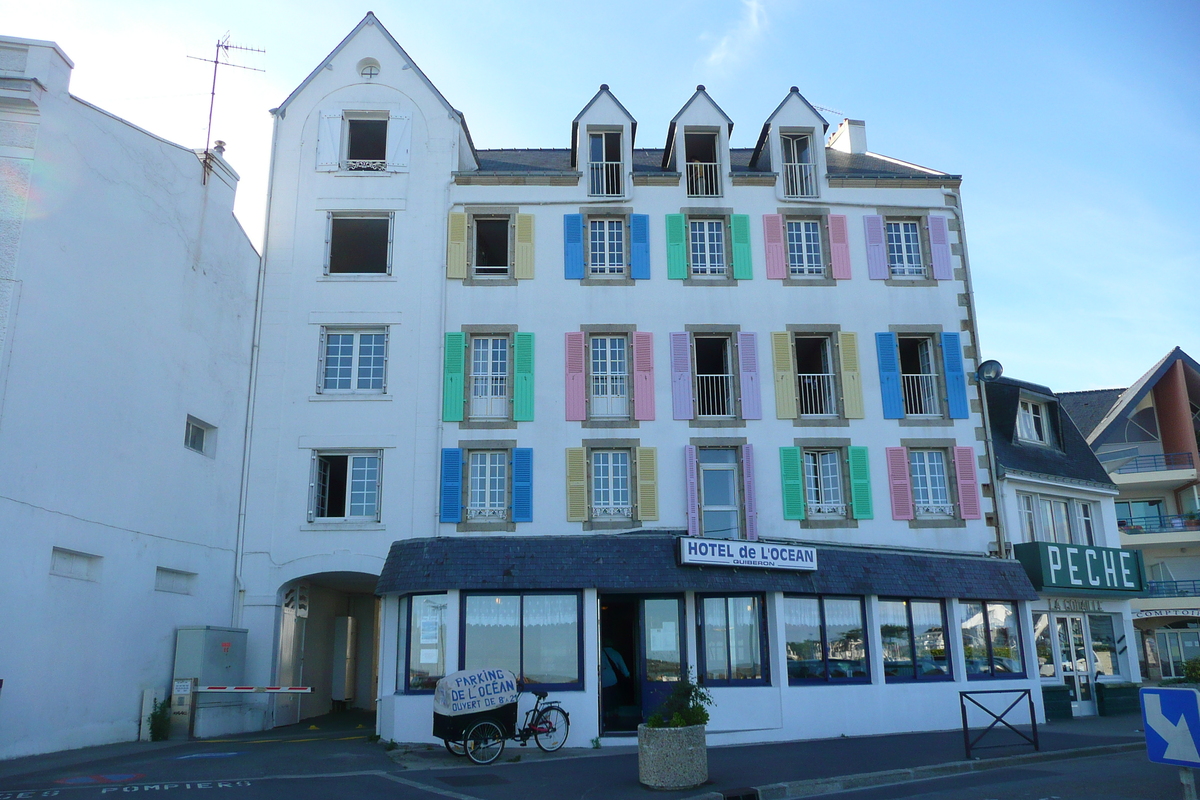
(733, 553)
(474, 690)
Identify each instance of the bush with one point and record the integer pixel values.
(1191, 670)
(160, 721)
(687, 705)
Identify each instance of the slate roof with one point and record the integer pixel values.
(869, 165)
(1069, 455)
(642, 560)
(1088, 408)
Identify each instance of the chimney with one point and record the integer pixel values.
(850, 137)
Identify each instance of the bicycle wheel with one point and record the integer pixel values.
(455, 748)
(484, 742)
(550, 730)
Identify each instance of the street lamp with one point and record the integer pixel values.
(987, 372)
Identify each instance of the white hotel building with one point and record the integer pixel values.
(497, 387)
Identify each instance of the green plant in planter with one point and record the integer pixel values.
(687, 705)
(160, 721)
(1191, 670)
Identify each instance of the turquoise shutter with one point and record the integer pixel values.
(889, 375)
(956, 379)
(639, 247)
(452, 469)
(791, 474)
(522, 377)
(677, 266)
(452, 377)
(860, 483)
(522, 484)
(739, 225)
(573, 269)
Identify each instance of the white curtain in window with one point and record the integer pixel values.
(550, 609)
(499, 611)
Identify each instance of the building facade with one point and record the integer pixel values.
(766, 360)
(127, 293)
(1146, 436)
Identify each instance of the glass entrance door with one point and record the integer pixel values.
(641, 657)
(662, 650)
(1076, 663)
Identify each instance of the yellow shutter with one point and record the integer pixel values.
(456, 247)
(577, 504)
(785, 375)
(647, 483)
(523, 267)
(852, 396)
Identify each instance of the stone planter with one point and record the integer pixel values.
(1056, 700)
(1117, 698)
(672, 758)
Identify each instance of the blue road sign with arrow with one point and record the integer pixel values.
(1171, 719)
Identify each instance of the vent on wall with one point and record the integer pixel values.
(74, 564)
(173, 580)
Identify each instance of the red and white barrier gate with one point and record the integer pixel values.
(257, 689)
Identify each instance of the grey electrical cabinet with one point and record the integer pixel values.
(214, 656)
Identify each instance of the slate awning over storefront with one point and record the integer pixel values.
(647, 562)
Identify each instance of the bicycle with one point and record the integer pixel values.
(483, 742)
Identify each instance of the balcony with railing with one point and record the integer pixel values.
(1157, 463)
(1173, 588)
(816, 395)
(604, 179)
(610, 396)
(827, 509)
(703, 179)
(612, 512)
(799, 180)
(714, 395)
(364, 165)
(1160, 523)
(921, 395)
(489, 397)
(486, 513)
(1155, 472)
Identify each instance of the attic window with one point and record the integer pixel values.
(366, 145)
(703, 169)
(1031, 422)
(368, 68)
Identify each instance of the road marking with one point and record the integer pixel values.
(427, 788)
(207, 755)
(269, 741)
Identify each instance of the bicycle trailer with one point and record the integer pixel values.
(463, 699)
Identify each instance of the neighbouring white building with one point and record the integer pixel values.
(518, 393)
(127, 291)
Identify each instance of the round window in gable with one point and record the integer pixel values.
(368, 68)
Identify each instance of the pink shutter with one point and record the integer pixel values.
(775, 243)
(939, 245)
(877, 266)
(693, 491)
(681, 376)
(748, 361)
(643, 376)
(968, 483)
(899, 485)
(749, 501)
(576, 377)
(839, 247)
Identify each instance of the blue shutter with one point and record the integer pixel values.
(956, 379)
(452, 469)
(639, 247)
(889, 375)
(522, 484)
(573, 247)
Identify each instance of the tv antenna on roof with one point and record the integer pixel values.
(222, 49)
(830, 110)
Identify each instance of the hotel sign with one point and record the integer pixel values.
(1077, 568)
(734, 553)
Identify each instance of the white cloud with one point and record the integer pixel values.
(732, 46)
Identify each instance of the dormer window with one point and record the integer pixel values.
(1031, 422)
(604, 164)
(799, 171)
(703, 165)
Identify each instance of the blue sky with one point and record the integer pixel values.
(1076, 126)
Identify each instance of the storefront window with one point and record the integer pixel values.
(1104, 645)
(1043, 634)
(825, 639)
(1174, 648)
(913, 633)
(535, 636)
(426, 641)
(991, 640)
(733, 640)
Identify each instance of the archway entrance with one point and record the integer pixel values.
(329, 640)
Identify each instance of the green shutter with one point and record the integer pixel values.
(677, 266)
(791, 473)
(522, 377)
(860, 483)
(739, 225)
(453, 397)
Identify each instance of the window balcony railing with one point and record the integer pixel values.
(1160, 523)
(364, 165)
(816, 395)
(703, 179)
(489, 397)
(1156, 463)
(827, 509)
(714, 395)
(610, 396)
(604, 179)
(800, 180)
(1173, 588)
(487, 513)
(921, 396)
(934, 509)
(612, 512)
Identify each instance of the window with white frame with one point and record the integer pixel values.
(1027, 503)
(799, 171)
(1061, 520)
(604, 164)
(611, 498)
(610, 377)
(489, 390)
(360, 243)
(487, 485)
(1087, 524)
(492, 251)
(707, 248)
(805, 259)
(354, 361)
(720, 500)
(817, 395)
(366, 141)
(199, 436)
(823, 483)
(714, 376)
(930, 489)
(1031, 421)
(918, 376)
(904, 249)
(606, 247)
(345, 486)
